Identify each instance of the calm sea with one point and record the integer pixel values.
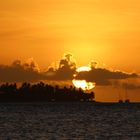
(78, 121)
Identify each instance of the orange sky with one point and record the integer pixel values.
(107, 31)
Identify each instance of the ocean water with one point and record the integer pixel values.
(75, 121)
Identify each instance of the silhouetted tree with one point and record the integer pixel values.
(42, 92)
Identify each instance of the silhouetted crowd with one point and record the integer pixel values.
(42, 92)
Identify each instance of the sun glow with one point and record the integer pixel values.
(84, 68)
(83, 84)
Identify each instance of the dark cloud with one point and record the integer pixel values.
(29, 71)
(103, 76)
(18, 72)
(65, 70)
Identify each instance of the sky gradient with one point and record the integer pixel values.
(103, 30)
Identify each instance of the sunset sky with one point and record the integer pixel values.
(107, 31)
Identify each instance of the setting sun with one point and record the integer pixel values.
(84, 68)
(83, 84)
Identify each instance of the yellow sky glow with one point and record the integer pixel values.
(104, 30)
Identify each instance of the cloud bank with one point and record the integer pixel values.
(103, 76)
(18, 72)
(29, 71)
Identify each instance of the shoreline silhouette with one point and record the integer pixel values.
(42, 92)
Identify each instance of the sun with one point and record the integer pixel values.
(83, 84)
(83, 68)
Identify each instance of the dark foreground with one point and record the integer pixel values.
(79, 121)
